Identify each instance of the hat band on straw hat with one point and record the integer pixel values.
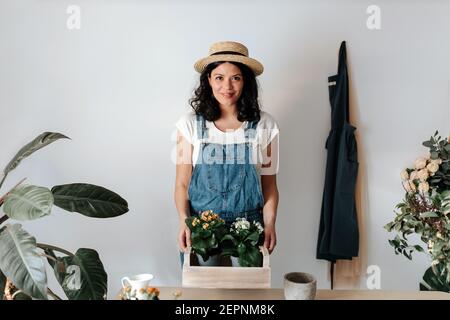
(228, 52)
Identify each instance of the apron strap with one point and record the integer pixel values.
(342, 57)
(343, 78)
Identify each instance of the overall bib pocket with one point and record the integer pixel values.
(225, 178)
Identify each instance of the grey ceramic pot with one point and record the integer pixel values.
(299, 286)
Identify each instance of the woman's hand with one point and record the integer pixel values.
(184, 236)
(270, 237)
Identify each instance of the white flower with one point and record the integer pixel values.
(424, 187)
(430, 244)
(439, 235)
(241, 224)
(409, 186)
(258, 226)
(420, 163)
(423, 175)
(404, 175)
(433, 167)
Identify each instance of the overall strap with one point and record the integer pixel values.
(202, 131)
(250, 130)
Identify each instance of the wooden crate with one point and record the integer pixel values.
(225, 276)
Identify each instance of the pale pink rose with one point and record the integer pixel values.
(409, 186)
(413, 176)
(404, 175)
(433, 167)
(437, 161)
(420, 163)
(423, 175)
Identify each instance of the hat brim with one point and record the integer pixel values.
(253, 64)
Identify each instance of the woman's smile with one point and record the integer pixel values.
(227, 95)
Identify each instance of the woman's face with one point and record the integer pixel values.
(226, 82)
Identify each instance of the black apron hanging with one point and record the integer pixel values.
(338, 230)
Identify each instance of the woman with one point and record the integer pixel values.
(227, 149)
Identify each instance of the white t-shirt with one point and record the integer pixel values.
(267, 131)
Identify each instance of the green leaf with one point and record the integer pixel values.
(407, 254)
(28, 202)
(434, 281)
(89, 200)
(241, 249)
(253, 238)
(229, 237)
(22, 296)
(251, 258)
(220, 231)
(389, 226)
(429, 214)
(427, 144)
(39, 142)
(446, 195)
(2, 284)
(83, 276)
(434, 155)
(447, 147)
(21, 262)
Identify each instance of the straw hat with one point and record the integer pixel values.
(229, 51)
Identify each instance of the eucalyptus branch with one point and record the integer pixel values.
(52, 294)
(48, 246)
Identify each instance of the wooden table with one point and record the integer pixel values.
(167, 293)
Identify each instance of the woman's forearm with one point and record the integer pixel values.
(271, 197)
(182, 202)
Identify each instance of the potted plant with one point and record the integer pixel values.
(425, 211)
(22, 269)
(207, 229)
(242, 243)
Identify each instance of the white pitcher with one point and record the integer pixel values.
(137, 282)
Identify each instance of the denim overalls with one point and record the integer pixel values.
(224, 178)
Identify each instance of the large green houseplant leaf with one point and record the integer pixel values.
(20, 261)
(39, 142)
(28, 202)
(82, 276)
(2, 284)
(89, 200)
(435, 281)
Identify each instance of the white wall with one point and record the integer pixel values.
(117, 86)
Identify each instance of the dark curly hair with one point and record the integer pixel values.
(204, 103)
